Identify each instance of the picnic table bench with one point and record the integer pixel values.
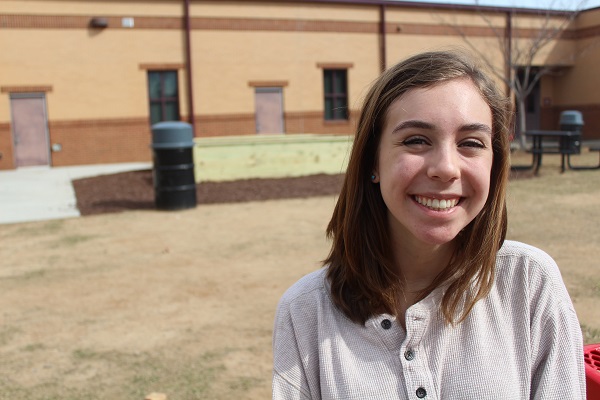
(595, 147)
(564, 143)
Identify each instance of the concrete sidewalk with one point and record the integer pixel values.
(43, 193)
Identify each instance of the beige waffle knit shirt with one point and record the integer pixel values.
(523, 341)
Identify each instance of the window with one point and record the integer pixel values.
(336, 94)
(164, 96)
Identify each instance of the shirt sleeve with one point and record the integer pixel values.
(289, 378)
(557, 344)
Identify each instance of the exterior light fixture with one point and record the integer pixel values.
(98, 22)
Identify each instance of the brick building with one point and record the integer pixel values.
(81, 81)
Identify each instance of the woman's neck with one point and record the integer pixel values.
(419, 264)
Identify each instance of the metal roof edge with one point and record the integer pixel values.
(443, 6)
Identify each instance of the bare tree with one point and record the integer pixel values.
(521, 49)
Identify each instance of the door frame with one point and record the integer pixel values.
(30, 95)
(269, 89)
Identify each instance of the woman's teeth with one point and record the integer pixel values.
(436, 204)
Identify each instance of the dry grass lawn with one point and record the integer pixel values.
(117, 306)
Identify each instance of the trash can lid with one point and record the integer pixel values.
(172, 134)
(571, 117)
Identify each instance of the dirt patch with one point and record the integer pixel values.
(135, 191)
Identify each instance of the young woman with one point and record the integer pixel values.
(421, 296)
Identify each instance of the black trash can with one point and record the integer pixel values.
(174, 183)
(571, 121)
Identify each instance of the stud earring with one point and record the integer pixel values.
(372, 178)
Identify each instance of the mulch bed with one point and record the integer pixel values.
(135, 191)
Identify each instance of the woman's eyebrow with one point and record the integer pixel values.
(476, 127)
(413, 124)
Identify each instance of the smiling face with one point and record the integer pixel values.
(434, 162)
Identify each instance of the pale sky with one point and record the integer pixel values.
(539, 4)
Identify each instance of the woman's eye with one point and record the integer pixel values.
(473, 143)
(414, 141)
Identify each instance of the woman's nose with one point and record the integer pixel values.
(444, 165)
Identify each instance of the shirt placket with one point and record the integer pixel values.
(419, 384)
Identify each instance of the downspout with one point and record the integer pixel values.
(382, 46)
(188, 56)
(508, 36)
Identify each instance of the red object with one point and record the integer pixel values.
(591, 356)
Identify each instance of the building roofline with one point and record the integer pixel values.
(443, 6)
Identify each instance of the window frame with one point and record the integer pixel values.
(163, 100)
(338, 97)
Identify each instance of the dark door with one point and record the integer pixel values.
(532, 102)
(30, 129)
(269, 110)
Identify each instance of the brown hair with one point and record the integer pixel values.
(362, 276)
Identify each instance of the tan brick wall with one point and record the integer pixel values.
(93, 7)
(101, 141)
(314, 122)
(579, 84)
(558, 52)
(588, 19)
(298, 11)
(225, 125)
(443, 18)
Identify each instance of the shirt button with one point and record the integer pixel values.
(386, 324)
(421, 392)
(409, 355)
